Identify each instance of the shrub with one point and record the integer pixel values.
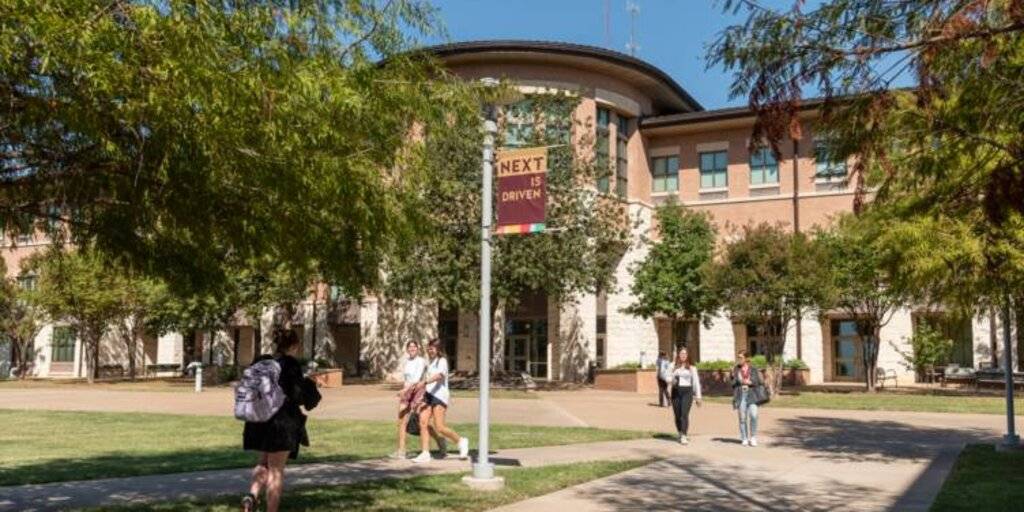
(759, 362)
(630, 365)
(715, 365)
(929, 347)
(227, 373)
(794, 364)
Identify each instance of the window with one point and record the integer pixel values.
(622, 156)
(763, 167)
(759, 338)
(519, 121)
(63, 345)
(558, 125)
(826, 168)
(602, 149)
(713, 170)
(665, 174)
(28, 282)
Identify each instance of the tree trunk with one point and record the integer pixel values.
(133, 348)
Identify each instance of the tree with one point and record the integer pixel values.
(673, 279)
(943, 160)
(587, 232)
(144, 300)
(20, 322)
(179, 135)
(765, 278)
(854, 282)
(78, 288)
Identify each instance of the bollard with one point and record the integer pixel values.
(197, 367)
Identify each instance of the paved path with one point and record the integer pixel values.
(836, 460)
(207, 484)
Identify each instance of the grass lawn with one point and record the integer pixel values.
(168, 384)
(53, 446)
(424, 493)
(505, 394)
(885, 401)
(983, 479)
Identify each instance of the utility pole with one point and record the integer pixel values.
(1010, 441)
(633, 10)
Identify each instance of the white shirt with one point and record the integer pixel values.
(687, 378)
(439, 389)
(664, 368)
(412, 371)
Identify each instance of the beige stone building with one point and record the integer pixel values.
(661, 144)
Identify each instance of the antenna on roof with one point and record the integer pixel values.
(608, 24)
(634, 10)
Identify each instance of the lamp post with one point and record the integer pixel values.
(483, 477)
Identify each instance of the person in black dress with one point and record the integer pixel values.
(278, 439)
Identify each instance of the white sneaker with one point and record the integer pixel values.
(442, 447)
(684, 440)
(753, 441)
(422, 458)
(464, 447)
(397, 456)
(745, 443)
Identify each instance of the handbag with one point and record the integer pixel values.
(413, 426)
(761, 395)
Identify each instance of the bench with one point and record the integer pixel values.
(882, 375)
(996, 377)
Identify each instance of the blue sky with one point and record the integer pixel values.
(672, 34)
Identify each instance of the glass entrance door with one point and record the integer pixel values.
(526, 347)
(847, 351)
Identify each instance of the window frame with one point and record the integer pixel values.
(62, 348)
(768, 164)
(825, 169)
(665, 175)
(714, 171)
(602, 149)
(622, 133)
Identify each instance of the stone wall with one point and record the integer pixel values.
(387, 324)
(630, 336)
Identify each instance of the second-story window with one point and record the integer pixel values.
(519, 121)
(714, 170)
(602, 149)
(622, 156)
(763, 167)
(28, 282)
(827, 167)
(665, 174)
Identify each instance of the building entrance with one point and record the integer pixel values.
(526, 347)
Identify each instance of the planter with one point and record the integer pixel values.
(633, 381)
(794, 377)
(327, 378)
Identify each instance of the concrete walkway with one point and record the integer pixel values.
(208, 484)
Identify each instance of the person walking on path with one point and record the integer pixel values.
(278, 438)
(745, 383)
(664, 371)
(435, 407)
(411, 396)
(685, 382)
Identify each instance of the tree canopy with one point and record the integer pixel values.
(941, 161)
(177, 136)
(673, 280)
(587, 232)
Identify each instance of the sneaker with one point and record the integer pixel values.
(464, 447)
(422, 458)
(753, 441)
(442, 447)
(397, 456)
(745, 443)
(684, 440)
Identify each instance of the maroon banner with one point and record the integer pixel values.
(522, 190)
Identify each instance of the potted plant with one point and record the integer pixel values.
(324, 373)
(629, 376)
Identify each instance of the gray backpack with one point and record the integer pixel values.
(258, 395)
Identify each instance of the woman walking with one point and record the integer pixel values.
(745, 383)
(685, 382)
(278, 438)
(435, 406)
(411, 395)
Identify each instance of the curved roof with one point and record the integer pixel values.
(667, 95)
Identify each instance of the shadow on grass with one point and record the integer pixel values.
(129, 465)
(872, 441)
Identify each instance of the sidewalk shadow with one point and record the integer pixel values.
(693, 485)
(727, 440)
(870, 440)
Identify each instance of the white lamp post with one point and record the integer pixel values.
(483, 477)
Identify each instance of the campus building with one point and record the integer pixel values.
(661, 143)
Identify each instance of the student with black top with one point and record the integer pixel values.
(278, 439)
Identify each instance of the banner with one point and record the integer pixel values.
(522, 190)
